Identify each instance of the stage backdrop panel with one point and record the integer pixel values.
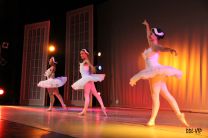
(122, 39)
(34, 63)
(79, 35)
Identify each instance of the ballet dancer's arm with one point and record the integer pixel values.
(158, 48)
(92, 68)
(52, 69)
(133, 80)
(148, 31)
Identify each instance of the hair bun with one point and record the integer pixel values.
(85, 50)
(158, 33)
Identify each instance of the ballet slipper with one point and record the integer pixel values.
(150, 123)
(104, 111)
(64, 107)
(49, 109)
(82, 113)
(181, 117)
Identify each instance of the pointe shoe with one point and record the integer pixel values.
(150, 123)
(82, 113)
(104, 111)
(49, 109)
(64, 107)
(183, 120)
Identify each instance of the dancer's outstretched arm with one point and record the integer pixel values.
(158, 48)
(91, 66)
(134, 79)
(52, 70)
(148, 31)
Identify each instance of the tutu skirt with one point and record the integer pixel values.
(86, 78)
(53, 83)
(159, 70)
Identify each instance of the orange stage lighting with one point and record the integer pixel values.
(51, 48)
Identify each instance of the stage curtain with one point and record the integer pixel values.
(121, 38)
(191, 91)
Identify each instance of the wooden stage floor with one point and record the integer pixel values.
(120, 123)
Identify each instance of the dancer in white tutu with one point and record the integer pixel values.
(156, 73)
(87, 81)
(53, 83)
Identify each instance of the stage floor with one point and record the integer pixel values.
(120, 123)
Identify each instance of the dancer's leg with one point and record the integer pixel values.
(57, 94)
(52, 99)
(155, 93)
(171, 100)
(98, 97)
(87, 97)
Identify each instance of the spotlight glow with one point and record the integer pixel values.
(1, 91)
(51, 48)
(99, 67)
(99, 54)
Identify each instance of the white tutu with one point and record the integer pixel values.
(153, 68)
(158, 70)
(86, 77)
(53, 82)
(81, 82)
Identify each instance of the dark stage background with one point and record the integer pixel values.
(121, 37)
(14, 14)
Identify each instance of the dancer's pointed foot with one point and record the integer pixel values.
(183, 120)
(104, 111)
(150, 123)
(82, 113)
(49, 109)
(64, 107)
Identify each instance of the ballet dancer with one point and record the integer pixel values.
(87, 82)
(156, 73)
(52, 84)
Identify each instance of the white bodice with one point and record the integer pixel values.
(84, 69)
(49, 74)
(150, 57)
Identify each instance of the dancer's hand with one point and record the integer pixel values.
(145, 22)
(173, 51)
(132, 82)
(45, 74)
